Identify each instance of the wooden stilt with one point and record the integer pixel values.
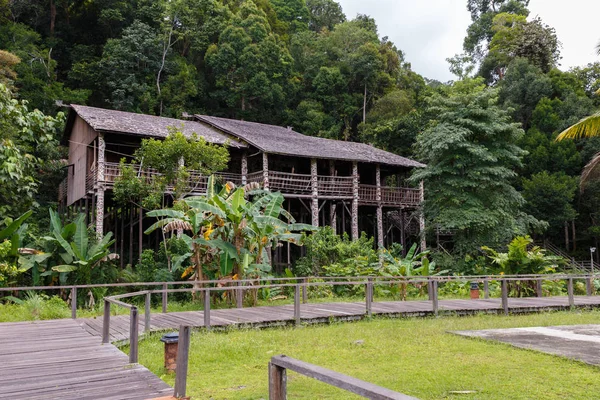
(140, 233)
(355, 200)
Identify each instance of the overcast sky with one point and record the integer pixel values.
(429, 31)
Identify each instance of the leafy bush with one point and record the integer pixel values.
(40, 306)
(329, 254)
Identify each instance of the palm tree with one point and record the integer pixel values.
(586, 128)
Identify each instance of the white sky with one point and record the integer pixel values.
(429, 31)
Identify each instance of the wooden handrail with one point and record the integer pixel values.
(278, 380)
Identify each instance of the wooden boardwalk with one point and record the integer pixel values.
(59, 360)
(64, 359)
(324, 312)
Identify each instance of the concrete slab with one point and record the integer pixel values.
(578, 342)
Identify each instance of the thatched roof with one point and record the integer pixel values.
(103, 120)
(279, 140)
(267, 138)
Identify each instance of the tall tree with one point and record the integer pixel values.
(471, 154)
(480, 32)
(324, 14)
(250, 65)
(515, 37)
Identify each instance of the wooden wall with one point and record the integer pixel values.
(82, 136)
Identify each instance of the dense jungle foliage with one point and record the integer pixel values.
(495, 170)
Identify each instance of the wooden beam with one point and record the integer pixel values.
(100, 188)
(422, 216)
(355, 201)
(244, 168)
(265, 158)
(314, 185)
(345, 382)
(379, 208)
(332, 207)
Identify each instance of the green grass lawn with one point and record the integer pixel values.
(413, 356)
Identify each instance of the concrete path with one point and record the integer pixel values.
(578, 342)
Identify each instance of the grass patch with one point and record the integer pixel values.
(413, 356)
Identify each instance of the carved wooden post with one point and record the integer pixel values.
(265, 171)
(332, 208)
(354, 200)
(422, 216)
(379, 208)
(100, 187)
(244, 168)
(314, 185)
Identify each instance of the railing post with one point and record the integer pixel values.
(164, 298)
(540, 292)
(430, 289)
(369, 297)
(505, 296)
(106, 322)
(297, 304)
(570, 292)
(183, 352)
(133, 335)
(147, 312)
(74, 302)
(277, 382)
(588, 284)
(239, 296)
(486, 288)
(207, 309)
(435, 302)
(305, 291)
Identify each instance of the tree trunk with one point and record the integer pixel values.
(166, 47)
(365, 104)
(567, 235)
(573, 235)
(52, 16)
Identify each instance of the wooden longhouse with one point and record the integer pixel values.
(352, 187)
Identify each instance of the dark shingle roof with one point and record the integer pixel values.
(279, 140)
(103, 120)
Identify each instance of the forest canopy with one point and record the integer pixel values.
(494, 167)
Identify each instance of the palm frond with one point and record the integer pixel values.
(591, 172)
(587, 127)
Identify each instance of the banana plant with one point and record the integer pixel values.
(413, 264)
(74, 248)
(14, 233)
(229, 229)
(11, 239)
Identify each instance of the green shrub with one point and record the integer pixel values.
(329, 254)
(54, 308)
